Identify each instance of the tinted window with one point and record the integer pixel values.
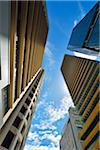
(8, 139)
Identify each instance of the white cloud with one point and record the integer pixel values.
(45, 132)
(38, 137)
(75, 22)
(61, 85)
(44, 96)
(61, 27)
(82, 12)
(30, 147)
(54, 139)
(49, 54)
(45, 125)
(33, 136)
(56, 114)
(46, 128)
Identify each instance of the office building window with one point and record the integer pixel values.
(31, 107)
(34, 100)
(33, 90)
(94, 37)
(91, 127)
(31, 95)
(23, 129)
(16, 146)
(23, 110)
(27, 116)
(8, 139)
(17, 122)
(35, 86)
(5, 98)
(92, 141)
(27, 101)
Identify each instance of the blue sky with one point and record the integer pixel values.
(52, 110)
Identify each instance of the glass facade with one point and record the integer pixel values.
(5, 98)
(86, 33)
(93, 41)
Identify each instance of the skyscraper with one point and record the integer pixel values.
(23, 34)
(82, 78)
(85, 35)
(69, 139)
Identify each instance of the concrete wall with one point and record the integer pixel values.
(4, 48)
(68, 141)
(20, 131)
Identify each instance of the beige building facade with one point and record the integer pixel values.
(22, 44)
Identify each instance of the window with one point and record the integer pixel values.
(91, 108)
(31, 107)
(79, 127)
(27, 116)
(27, 101)
(35, 86)
(36, 95)
(5, 98)
(8, 139)
(33, 90)
(88, 88)
(93, 140)
(34, 100)
(83, 80)
(23, 128)
(16, 146)
(23, 110)
(90, 128)
(77, 122)
(93, 41)
(17, 122)
(79, 33)
(31, 95)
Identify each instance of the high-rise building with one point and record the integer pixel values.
(85, 35)
(82, 78)
(23, 34)
(69, 139)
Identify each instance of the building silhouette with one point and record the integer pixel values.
(23, 34)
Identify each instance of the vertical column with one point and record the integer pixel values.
(12, 49)
(23, 18)
(33, 36)
(28, 42)
(36, 44)
(39, 48)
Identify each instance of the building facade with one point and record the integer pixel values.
(87, 32)
(82, 78)
(23, 34)
(69, 139)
